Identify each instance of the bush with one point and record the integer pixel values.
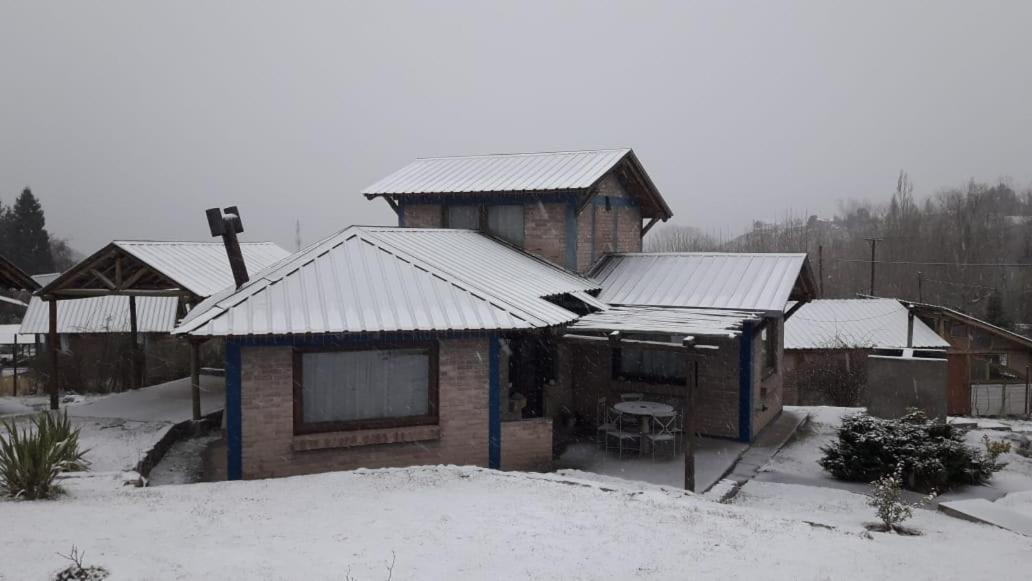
(887, 500)
(31, 458)
(77, 571)
(930, 455)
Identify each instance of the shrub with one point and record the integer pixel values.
(31, 458)
(77, 571)
(930, 455)
(887, 500)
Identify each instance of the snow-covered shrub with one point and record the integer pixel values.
(77, 571)
(887, 500)
(932, 455)
(994, 449)
(32, 457)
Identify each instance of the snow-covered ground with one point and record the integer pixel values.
(469, 523)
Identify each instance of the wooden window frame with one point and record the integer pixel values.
(433, 391)
(617, 371)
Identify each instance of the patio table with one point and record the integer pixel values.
(647, 410)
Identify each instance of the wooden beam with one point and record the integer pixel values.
(100, 292)
(52, 347)
(129, 282)
(107, 282)
(134, 338)
(645, 229)
(195, 378)
(795, 307)
(691, 386)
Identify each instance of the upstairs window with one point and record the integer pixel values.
(464, 216)
(506, 222)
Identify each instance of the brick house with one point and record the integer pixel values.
(442, 340)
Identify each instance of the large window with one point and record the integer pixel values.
(651, 365)
(506, 222)
(361, 389)
(464, 216)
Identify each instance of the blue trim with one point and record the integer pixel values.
(494, 406)
(745, 363)
(401, 214)
(520, 198)
(349, 339)
(234, 457)
(571, 235)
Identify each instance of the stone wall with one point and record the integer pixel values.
(527, 445)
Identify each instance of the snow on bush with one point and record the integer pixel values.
(930, 455)
(887, 500)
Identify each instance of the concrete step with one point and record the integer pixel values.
(982, 511)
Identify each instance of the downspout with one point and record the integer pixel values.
(494, 405)
(745, 382)
(234, 441)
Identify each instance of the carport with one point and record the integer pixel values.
(186, 271)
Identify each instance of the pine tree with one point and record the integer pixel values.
(994, 311)
(28, 243)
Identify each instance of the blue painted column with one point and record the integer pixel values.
(494, 405)
(745, 383)
(234, 443)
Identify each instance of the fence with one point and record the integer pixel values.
(1000, 399)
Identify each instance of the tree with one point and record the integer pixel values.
(994, 311)
(27, 240)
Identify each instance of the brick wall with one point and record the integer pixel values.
(421, 216)
(545, 231)
(600, 231)
(768, 388)
(270, 448)
(527, 445)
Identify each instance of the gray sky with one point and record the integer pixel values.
(129, 119)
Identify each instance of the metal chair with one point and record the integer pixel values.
(623, 435)
(663, 426)
(605, 420)
(632, 396)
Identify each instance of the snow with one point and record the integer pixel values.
(470, 523)
(165, 402)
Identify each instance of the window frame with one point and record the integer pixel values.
(433, 392)
(618, 373)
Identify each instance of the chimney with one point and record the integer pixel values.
(228, 226)
(910, 328)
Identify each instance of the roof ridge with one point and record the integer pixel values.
(529, 153)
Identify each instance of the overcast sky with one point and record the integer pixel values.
(128, 119)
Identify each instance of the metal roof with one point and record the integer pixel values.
(856, 324)
(510, 172)
(109, 314)
(14, 278)
(929, 309)
(666, 320)
(373, 279)
(201, 267)
(747, 281)
(8, 333)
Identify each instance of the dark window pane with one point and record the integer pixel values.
(467, 216)
(506, 222)
(357, 385)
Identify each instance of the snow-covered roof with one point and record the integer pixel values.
(516, 172)
(107, 314)
(666, 320)
(8, 333)
(856, 324)
(377, 279)
(743, 281)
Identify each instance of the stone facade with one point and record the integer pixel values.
(545, 231)
(420, 216)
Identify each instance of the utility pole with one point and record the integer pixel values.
(820, 267)
(920, 286)
(874, 254)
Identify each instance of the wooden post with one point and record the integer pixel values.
(134, 356)
(14, 360)
(52, 341)
(195, 378)
(689, 424)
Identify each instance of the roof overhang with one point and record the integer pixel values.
(113, 271)
(14, 278)
(929, 309)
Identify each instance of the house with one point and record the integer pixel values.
(988, 366)
(447, 339)
(827, 342)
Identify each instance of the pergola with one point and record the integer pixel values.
(190, 271)
(14, 278)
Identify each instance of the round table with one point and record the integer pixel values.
(647, 410)
(643, 408)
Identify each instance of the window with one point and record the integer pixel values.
(465, 216)
(769, 336)
(651, 365)
(506, 222)
(364, 389)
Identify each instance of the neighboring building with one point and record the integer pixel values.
(570, 207)
(442, 340)
(988, 366)
(95, 331)
(827, 343)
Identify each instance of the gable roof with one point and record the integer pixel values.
(925, 309)
(196, 268)
(715, 280)
(107, 314)
(569, 171)
(376, 279)
(856, 324)
(14, 278)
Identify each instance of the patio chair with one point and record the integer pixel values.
(663, 431)
(626, 437)
(605, 420)
(632, 396)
